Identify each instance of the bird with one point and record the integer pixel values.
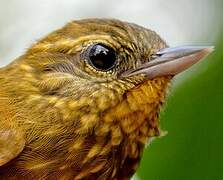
(83, 101)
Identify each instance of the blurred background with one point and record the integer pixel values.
(193, 114)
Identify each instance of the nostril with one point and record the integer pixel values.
(154, 56)
(47, 69)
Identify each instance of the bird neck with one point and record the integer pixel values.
(84, 141)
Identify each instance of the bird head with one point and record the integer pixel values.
(94, 54)
(98, 61)
(100, 79)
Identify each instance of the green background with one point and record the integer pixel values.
(193, 117)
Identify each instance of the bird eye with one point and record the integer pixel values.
(101, 57)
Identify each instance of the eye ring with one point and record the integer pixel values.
(101, 57)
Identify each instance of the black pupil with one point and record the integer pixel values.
(102, 57)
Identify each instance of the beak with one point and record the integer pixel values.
(171, 61)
